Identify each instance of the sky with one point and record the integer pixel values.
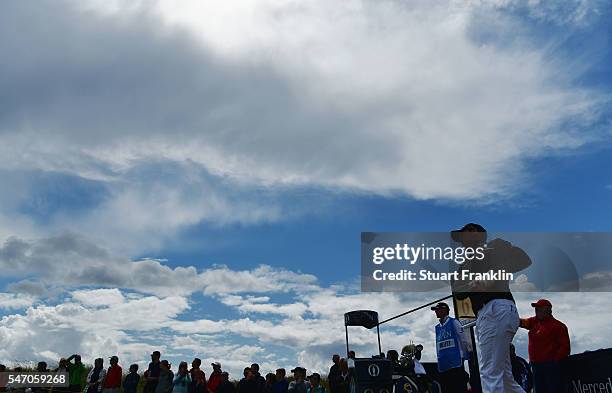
(194, 176)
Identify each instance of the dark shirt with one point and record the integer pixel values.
(261, 383)
(280, 386)
(499, 255)
(154, 370)
(248, 386)
(522, 373)
(130, 383)
(226, 387)
(332, 377)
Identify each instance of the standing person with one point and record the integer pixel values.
(520, 370)
(452, 348)
(130, 382)
(299, 383)
(248, 384)
(226, 386)
(112, 382)
(315, 384)
(166, 378)
(281, 384)
(182, 380)
(497, 318)
(76, 373)
(2, 369)
(270, 381)
(261, 381)
(343, 379)
(41, 367)
(215, 377)
(549, 345)
(334, 371)
(95, 378)
(152, 373)
(198, 377)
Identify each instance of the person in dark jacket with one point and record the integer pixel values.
(334, 371)
(299, 383)
(198, 377)
(225, 386)
(151, 375)
(130, 382)
(270, 381)
(248, 384)
(281, 384)
(261, 381)
(521, 370)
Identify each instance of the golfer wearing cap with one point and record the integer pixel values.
(452, 348)
(549, 344)
(497, 318)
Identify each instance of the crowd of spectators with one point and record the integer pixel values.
(159, 377)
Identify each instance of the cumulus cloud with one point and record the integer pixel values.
(378, 97)
(305, 328)
(15, 301)
(49, 332)
(70, 260)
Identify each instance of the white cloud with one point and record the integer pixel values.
(99, 297)
(103, 322)
(380, 97)
(70, 260)
(221, 279)
(15, 301)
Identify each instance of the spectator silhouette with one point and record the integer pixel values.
(299, 383)
(130, 382)
(95, 378)
(248, 384)
(152, 374)
(315, 384)
(76, 373)
(520, 370)
(343, 380)
(334, 372)
(215, 377)
(261, 381)
(182, 380)
(166, 378)
(225, 386)
(112, 382)
(198, 377)
(270, 381)
(281, 385)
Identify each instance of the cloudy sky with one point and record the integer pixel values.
(194, 176)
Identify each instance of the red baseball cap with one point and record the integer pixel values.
(542, 303)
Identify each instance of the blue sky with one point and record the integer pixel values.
(196, 178)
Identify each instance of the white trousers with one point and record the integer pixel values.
(496, 326)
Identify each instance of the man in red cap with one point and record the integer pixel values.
(549, 344)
